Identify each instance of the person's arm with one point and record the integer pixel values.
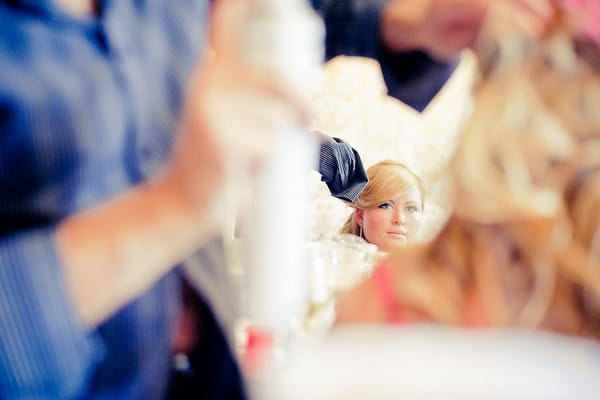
(115, 251)
(415, 41)
(123, 246)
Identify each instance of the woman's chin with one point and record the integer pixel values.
(393, 244)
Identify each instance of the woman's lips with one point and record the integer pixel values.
(397, 234)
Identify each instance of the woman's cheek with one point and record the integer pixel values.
(416, 221)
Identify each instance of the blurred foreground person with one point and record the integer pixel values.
(114, 148)
(389, 210)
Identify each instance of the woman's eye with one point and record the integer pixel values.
(412, 209)
(385, 205)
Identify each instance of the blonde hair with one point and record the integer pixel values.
(387, 179)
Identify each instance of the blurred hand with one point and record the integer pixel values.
(115, 251)
(532, 18)
(232, 112)
(442, 28)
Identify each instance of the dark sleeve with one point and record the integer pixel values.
(352, 28)
(341, 169)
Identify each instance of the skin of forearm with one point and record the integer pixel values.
(115, 251)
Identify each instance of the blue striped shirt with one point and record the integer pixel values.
(88, 107)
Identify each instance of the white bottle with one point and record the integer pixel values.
(285, 35)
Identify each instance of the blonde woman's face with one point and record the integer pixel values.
(392, 223)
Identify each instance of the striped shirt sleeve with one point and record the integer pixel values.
(341, 169)
(45, 349)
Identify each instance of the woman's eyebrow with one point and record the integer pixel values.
(412, 203)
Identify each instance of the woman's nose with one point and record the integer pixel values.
(399, 218)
